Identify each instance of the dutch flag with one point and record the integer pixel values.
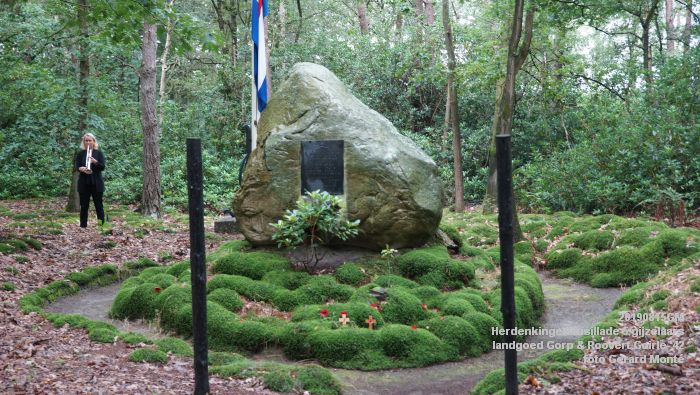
(259, 13)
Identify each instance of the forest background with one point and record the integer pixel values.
(607, 101)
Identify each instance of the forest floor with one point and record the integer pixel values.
(36, 357)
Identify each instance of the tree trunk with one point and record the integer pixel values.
(430, 12)
(151, 198)
(282, 25)
(73, 204)
(164, 64)
(688, 25)
(362, 16)
(301, 22)
(505, 101)
(670, 29)
(454, 115)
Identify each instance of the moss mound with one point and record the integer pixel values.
(252, 265)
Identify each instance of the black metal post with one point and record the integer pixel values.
(197, 265)
(505, 232)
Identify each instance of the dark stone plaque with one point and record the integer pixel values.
(322, 166)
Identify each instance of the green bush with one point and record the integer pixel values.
(349, 273)
(252, 264)
(148, 355)
(227, 298)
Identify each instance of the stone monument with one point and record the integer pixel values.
(315, 135)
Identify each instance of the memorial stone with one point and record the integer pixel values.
(315, 135)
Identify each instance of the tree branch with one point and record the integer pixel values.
(608, 88)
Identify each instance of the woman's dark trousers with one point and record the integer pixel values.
(90, 190)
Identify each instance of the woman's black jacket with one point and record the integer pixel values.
(90, 179)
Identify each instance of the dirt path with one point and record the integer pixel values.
(570, 306)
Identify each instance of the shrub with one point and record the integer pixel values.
(317, 220)
(349, 273)
(252, 265)
(174, 346)
(148, 355)
(227, 298)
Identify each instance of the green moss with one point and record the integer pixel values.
(357, 312)
(72, 320)
(8, 286)
(139, 264)
(35, 244)
(31, 303)
(286, 278)
(58, 289)
(6, 248)
(541, 245)
(227, 298)
(217, 358)
(148, 355)
(636, 237)
(349, 273)
(321, 289)
(150, 272)
(624, 265)
(422, 261)
(660, 295)
(132, 282)
(582, 272)
(20, 258)
(402, 307)
(253, 265)
(333, 346)
(175, 346)
(103, 335)
(162, 280)
(594, 240)
(391, 280)
(458, 333)
(136, 302)
(251, 289)
(133, 338)
(483, 323)
(278, 380)
(470, 251)
(241, 368)
(318, 381)
(494, 382)
(457, 307)
(695, 285)
(227, 248)
(294, 338)
(19, 245)
(425, 292)
(474, 298)
(177, 269)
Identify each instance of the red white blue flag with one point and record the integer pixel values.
(259, 13)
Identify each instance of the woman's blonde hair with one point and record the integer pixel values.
(82, 143)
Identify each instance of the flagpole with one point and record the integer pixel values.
(254, 103)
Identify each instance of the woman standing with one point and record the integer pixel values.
(90, 162)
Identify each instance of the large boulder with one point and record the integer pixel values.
(390, 185)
